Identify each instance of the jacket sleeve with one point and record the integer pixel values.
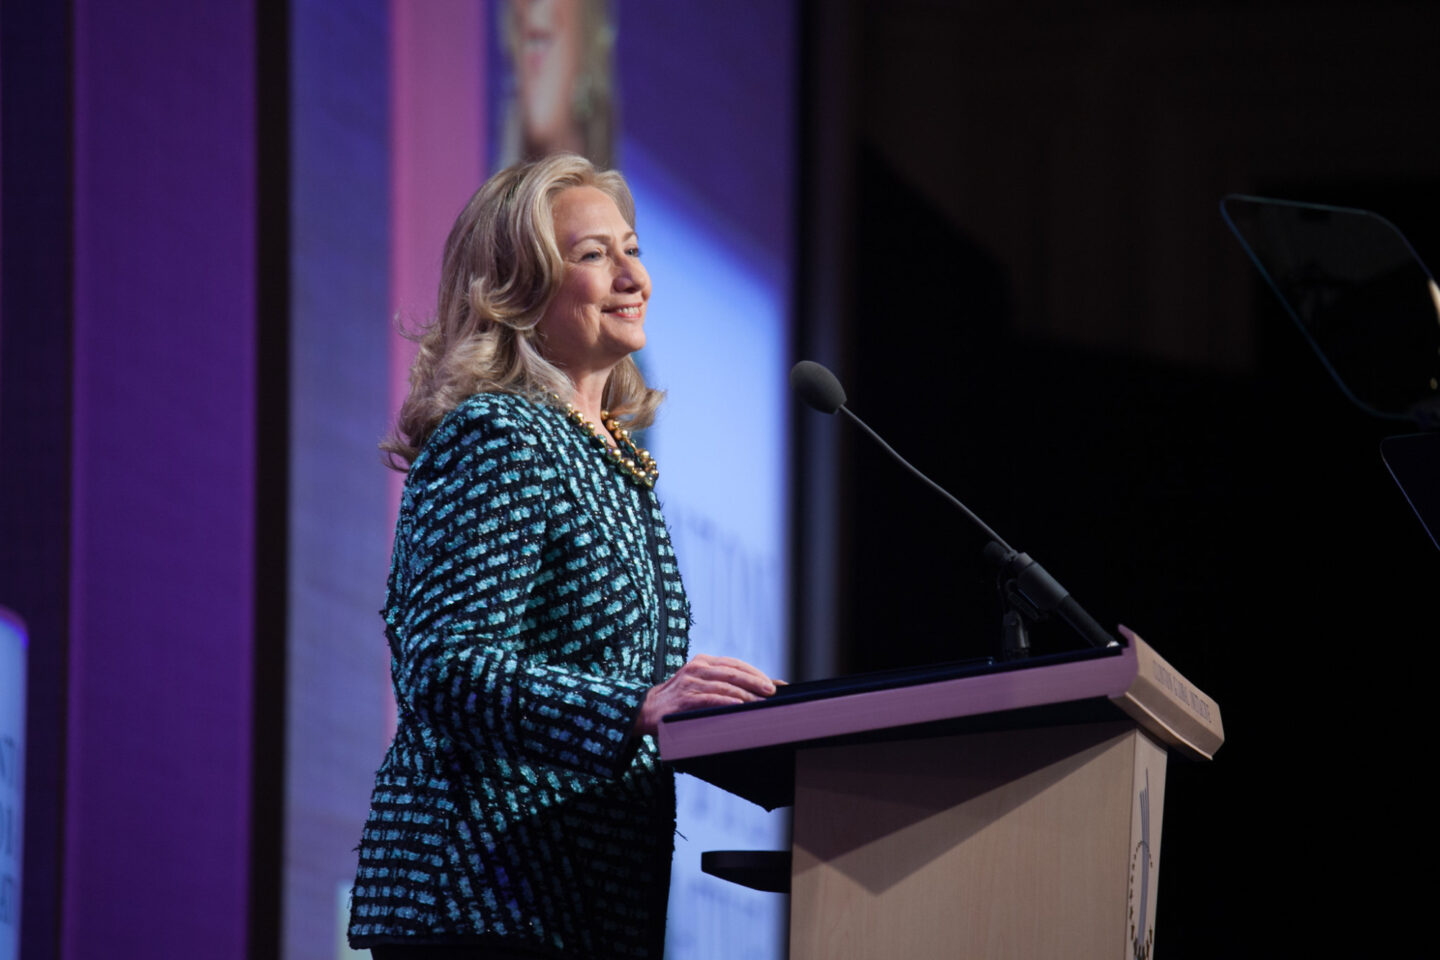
(467, 558)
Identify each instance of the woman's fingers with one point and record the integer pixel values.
(696, 688)
(729, 670)
(705, 681)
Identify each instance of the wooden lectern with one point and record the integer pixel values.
(1007, 811)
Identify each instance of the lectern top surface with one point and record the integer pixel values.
(897, 678)
(755, 742)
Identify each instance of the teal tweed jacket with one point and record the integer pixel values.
(515, 807)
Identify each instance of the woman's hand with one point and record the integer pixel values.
(705, 681)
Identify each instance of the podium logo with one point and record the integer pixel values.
(1142, 931)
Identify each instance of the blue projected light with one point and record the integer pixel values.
(716, 340)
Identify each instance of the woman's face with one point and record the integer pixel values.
(597, 317)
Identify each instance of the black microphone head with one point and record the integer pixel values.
(817, 386)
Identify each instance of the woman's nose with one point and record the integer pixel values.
(630, 274)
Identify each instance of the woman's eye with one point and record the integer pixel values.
(633, 252)
(591, 255)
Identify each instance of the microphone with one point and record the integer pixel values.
(817, 386)
(1027, 589)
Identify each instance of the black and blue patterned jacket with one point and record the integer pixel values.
(514, 805)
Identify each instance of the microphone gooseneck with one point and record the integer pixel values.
(820, 389)
(1030, 590)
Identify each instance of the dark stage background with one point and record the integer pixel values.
(1049, 316)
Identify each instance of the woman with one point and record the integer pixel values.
(536, 618)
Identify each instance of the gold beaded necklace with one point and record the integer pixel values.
(639, 465)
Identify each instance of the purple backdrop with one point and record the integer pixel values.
(156, 844)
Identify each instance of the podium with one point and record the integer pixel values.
(963, 811)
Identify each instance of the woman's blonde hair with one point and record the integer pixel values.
(502, 268)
